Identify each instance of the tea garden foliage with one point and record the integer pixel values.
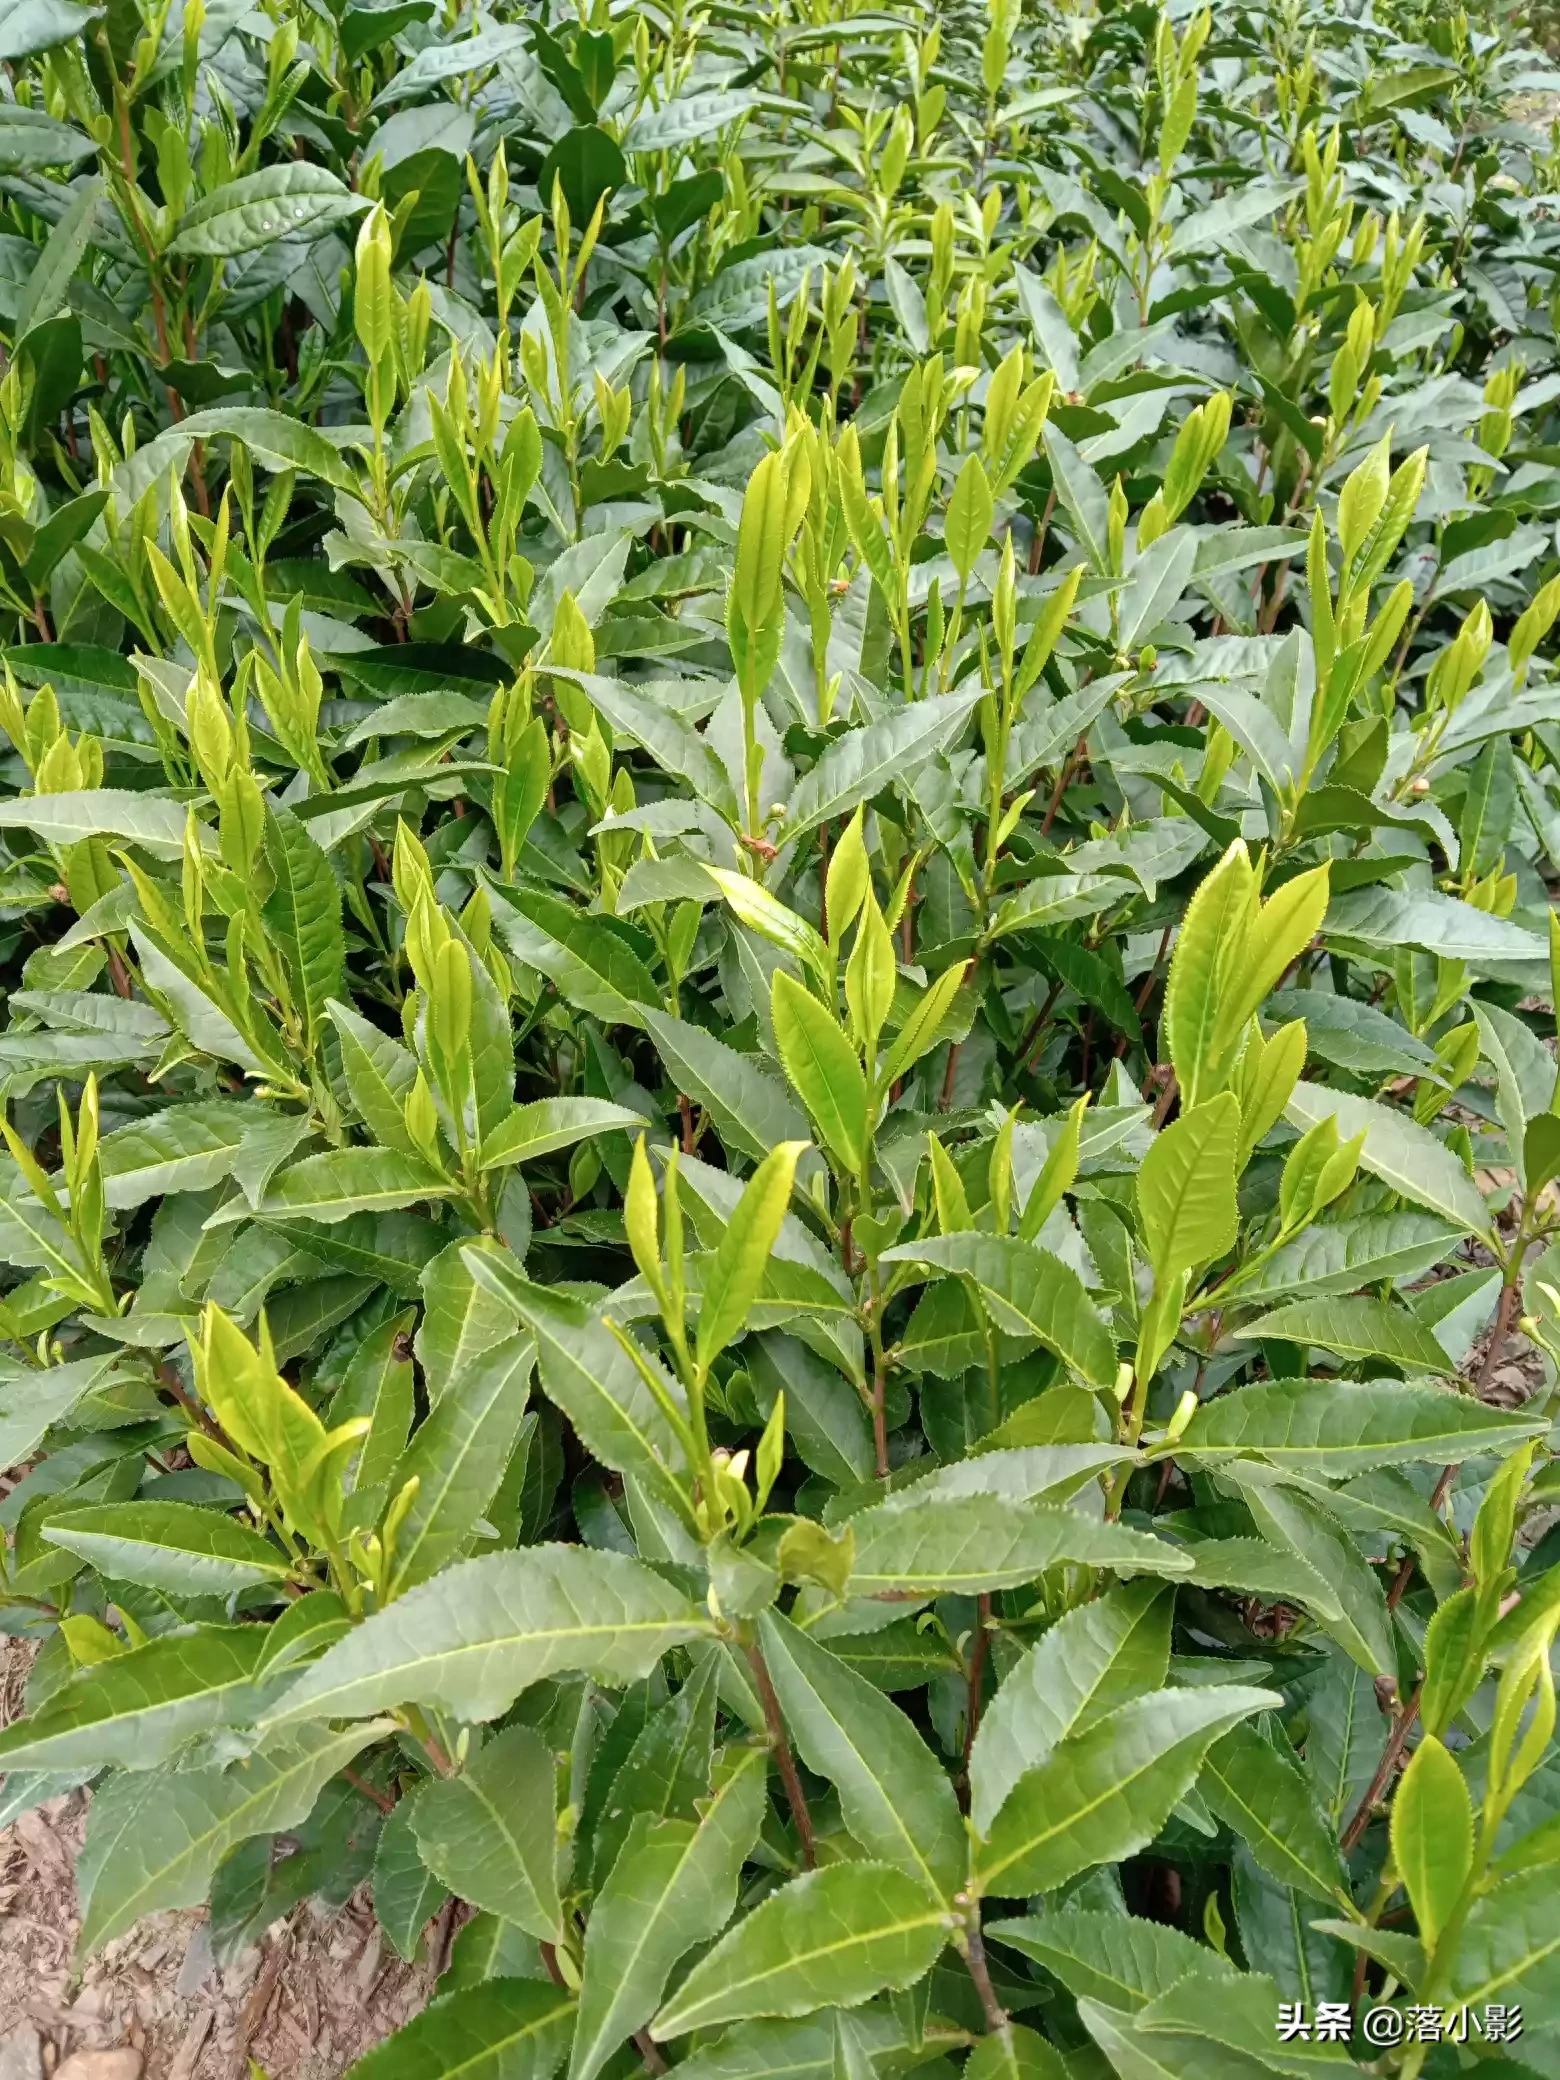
(778, 1079)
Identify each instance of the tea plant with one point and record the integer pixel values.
(781, 1105)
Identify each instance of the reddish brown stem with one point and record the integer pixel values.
(382, 1799)
(977, 1672)
(980, 1972)
(1397, 1739)
(784, 1759)
(1062, 778)
(1167, 1098)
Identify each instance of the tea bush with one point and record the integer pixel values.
(782, 1124)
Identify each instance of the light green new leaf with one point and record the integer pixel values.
(823, 1069)
(970, 510)
(1432, 1836)
(1186, 1188)
(734, 1276)
(1401, 1153)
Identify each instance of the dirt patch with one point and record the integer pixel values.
(316, 1992)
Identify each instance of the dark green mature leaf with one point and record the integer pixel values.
(894, 1795)
(491, 1833)
(751, 1109)
(458, 1456)
(962, 1545)
(169, 1546)
(154, 1837)
(1115, 1959)
(588, 962)
(1027, 1292)
(1104, 1792)
(502, 2029)
(1254, 1782)
(344, 1182)
(1095, 1658)
(673, 1885)
(550, 1124)
(287, 201)
(1356, 1329)
(830, 1939)
(1336, 1427)
(137, 1708)
(429, 768)
(598, 1386)
(1163, 2056)
(667, 1770)
(473, 1638)
(406, 1892)
(862, 763)
(303, 910)
(1509, 1948)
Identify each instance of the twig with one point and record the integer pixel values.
(1062, 778)
(171, 1383)
(1443, 1486)
(649, 2051)
(980, 1972)
(977, 1671)
(1402, 1726)
(952, 1070)
(1167, 1098)
(784, 1759)
(382, 1799)
(260, 2000)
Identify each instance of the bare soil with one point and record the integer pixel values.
(316, 1992)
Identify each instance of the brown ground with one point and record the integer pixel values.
(314, 1994)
